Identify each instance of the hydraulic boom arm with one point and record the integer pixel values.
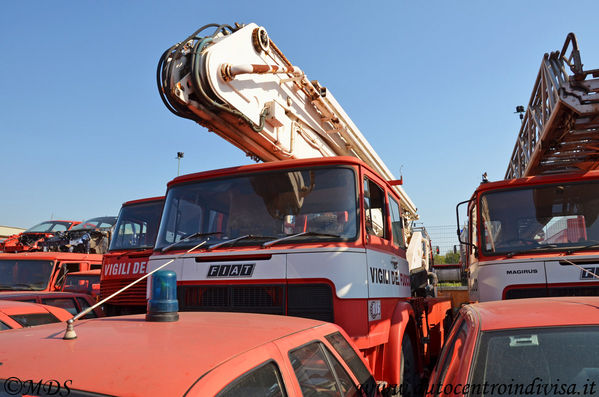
(238, 84)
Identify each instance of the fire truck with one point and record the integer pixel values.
(320, 229)
(536, 233)
(127, 258)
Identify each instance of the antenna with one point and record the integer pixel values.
(70, 332)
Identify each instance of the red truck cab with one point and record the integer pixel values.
(127, 258)
(533, 237)
(317, 238)
(42, 271)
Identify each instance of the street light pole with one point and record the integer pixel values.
(179, 157)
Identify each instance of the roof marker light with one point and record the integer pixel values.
(163, 305)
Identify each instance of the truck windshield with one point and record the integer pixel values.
(25, 275)
(271, 204)
(137, 226)
(549, 217)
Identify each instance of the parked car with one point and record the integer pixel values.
(29, 239)
(89, 237)
(27, 314)
(201, 354)
(72, 302)
(537, 346)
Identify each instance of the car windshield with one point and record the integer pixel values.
(49, 226)
(104, 222)
(559, 216)
(263, 207)
(537, 361)
(24, 275)
(137, 226)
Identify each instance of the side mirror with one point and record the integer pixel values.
(457, 214)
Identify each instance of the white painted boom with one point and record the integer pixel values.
(238, 84)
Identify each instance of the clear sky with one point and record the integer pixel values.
(432, 85)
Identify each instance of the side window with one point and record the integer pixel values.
(451, 355)
(374, 209)
(72, 267)
(64, 303)
(3, 326)
(261, 381)
(58, 227)
(319, 373)
(396, 223)
(353, 361)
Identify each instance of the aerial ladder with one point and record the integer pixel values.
(560, 129)
(255, 98)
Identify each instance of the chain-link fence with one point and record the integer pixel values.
(445, 238)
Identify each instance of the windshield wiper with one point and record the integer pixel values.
(537, 248)
(187, 238)
(593, 244)
(291, 236)
(236, 239)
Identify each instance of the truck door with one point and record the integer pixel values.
(387, 270)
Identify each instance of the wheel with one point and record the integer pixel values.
(410, 381)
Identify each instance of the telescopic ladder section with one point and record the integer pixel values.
(238, 84)
(560, 130)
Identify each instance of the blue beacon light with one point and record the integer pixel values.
(163, 305)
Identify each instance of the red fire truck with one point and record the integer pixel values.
(320, 230)
(127, 259)
(537, 232)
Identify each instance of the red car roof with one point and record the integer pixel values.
(147, 357)
(537, 312)
(10, 308)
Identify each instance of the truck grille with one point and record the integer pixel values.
(303, 300)
(539, 292)
(135, 295)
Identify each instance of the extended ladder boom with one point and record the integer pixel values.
(560, 130)
(238, 84)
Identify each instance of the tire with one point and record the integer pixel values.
(410, 381)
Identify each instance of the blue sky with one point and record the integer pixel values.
(432, 85)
